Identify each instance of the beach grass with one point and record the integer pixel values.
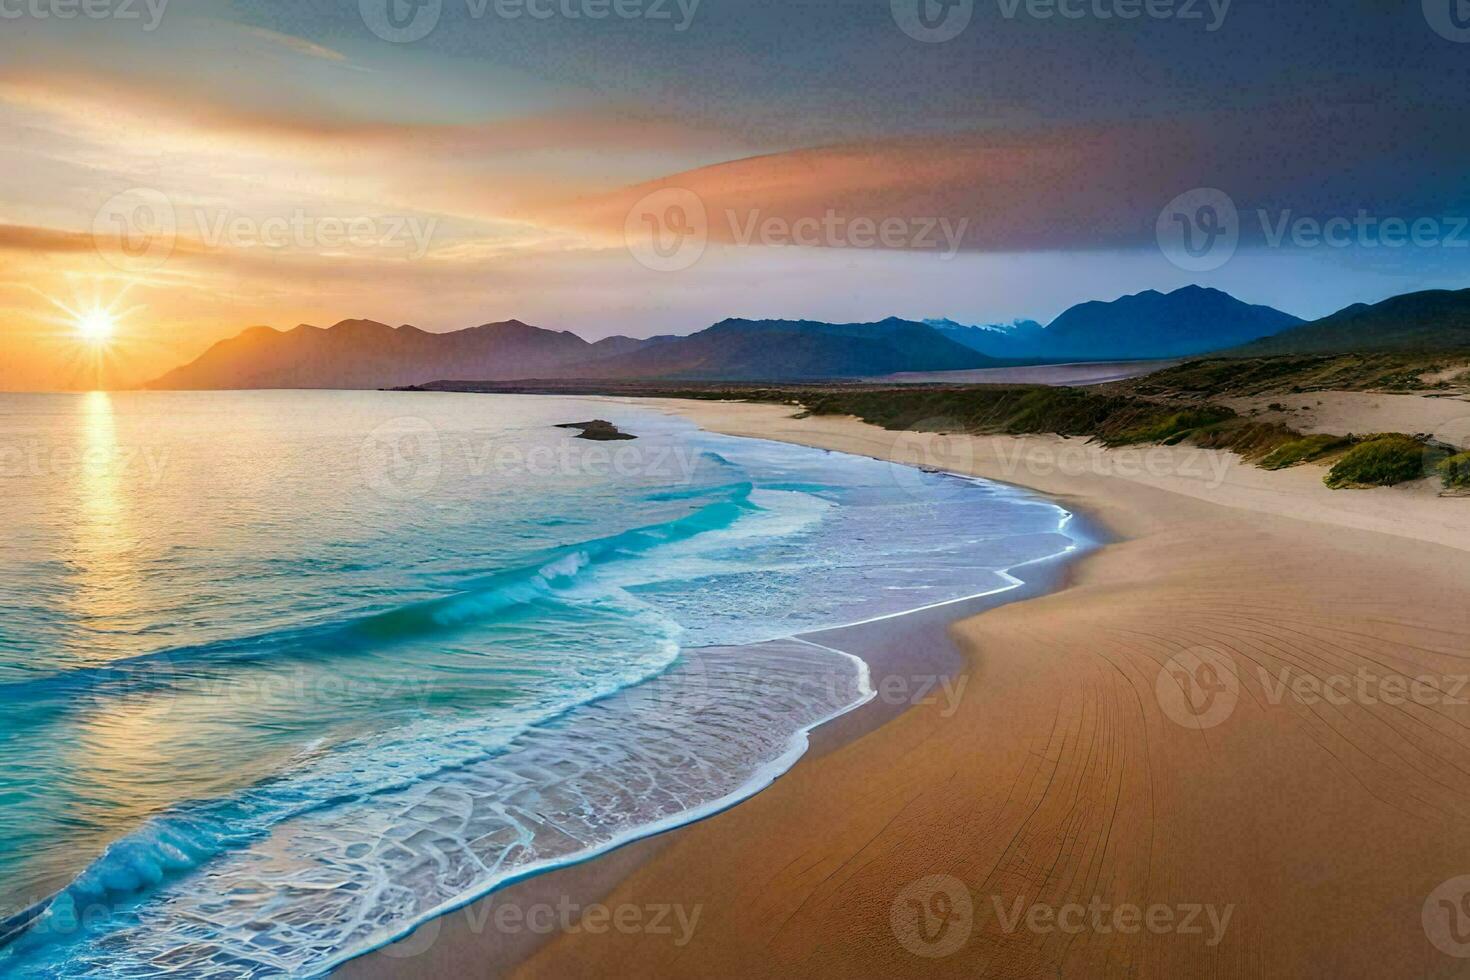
(1381, 461)
(1307, 449)
(1455, 472)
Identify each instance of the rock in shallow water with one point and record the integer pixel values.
(599, 430)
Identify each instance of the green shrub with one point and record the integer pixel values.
(1303, 450)
(1379, 461)
(1170, 427)
(1455, 472)
(1247, 438)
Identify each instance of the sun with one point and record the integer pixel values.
(96, 325)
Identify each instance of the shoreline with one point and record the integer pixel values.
(584, 877)
(1064, 779)
(900, 646)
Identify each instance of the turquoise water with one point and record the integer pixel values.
(285, 673)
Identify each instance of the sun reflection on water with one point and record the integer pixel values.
(103, 547)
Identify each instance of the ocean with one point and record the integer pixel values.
(284, 674)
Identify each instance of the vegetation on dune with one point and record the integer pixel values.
(1381, 461)
(1226, 378)
(1172, 406)
(1244, 437)
(1307, 449)
(1117, 420)
(1455, 472)
(1174, 427)
(1020, 410)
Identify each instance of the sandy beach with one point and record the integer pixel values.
(1235, 742)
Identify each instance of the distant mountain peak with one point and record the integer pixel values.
(359, 325)
(1427, 320)
(1189, 321)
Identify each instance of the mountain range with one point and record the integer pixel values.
(368, 354)
(1150, 325)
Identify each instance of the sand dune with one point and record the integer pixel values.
(1446, 417)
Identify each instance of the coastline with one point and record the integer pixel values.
(1064, 780)
(911, 647)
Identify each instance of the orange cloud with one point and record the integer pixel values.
(1057, 187)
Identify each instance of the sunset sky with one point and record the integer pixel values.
(301, 168)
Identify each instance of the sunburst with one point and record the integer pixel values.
(96, 325)
(93, 326)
